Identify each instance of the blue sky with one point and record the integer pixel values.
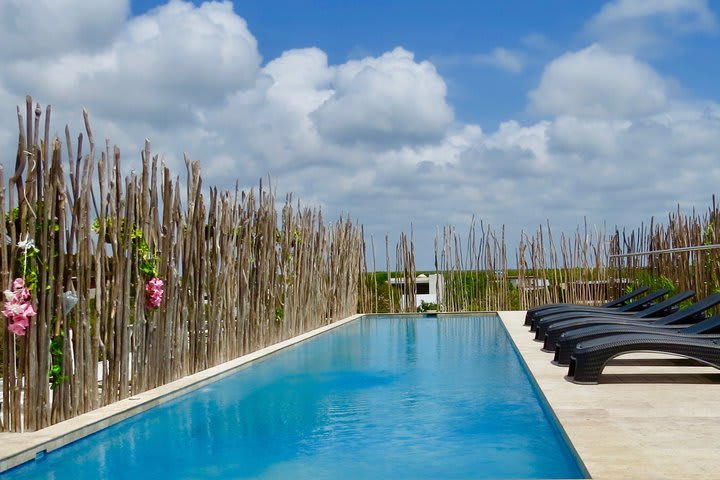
(450, 33)
(395, 112)
(446, 32)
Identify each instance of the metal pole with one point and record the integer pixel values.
(668, 250)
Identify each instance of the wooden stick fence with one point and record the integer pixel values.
(476, 275)
(587, 267)
(238, 274)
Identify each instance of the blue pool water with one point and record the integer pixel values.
(380, 397)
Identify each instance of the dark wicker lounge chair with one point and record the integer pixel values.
(661, 309)
(590, 357)
(639, 304)
(682, 318)
(618, 302)
(566, 343)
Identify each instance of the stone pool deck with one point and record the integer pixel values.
(642, 421)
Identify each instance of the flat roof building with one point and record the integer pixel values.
(428, 289)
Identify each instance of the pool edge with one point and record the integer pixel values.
(19, 448)
(505, 318)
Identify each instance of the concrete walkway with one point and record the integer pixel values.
(640, 422)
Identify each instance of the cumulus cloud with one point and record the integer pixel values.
(594, 82)
(303, 113)
(274, 118)
(388, 100)
(375, 137)
(158, 68)
(592, 136)
(46, 28)
(647, 25)
(302, 79)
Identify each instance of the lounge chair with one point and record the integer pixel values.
(638, 302)
(618, 302)
(557, 324)
(661, 309)
(637, 305)
(565, 345)
(589, 358)
(682, 318)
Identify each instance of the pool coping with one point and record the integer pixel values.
(18, 448)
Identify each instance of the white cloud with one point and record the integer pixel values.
(648, 25)
(502, 58)
(156, 69)
(592, 136)
(303, 113)
(46, 28)
(596, 83)
(302, 79)
(375, 137)
(512, 61)
(696, 13)
(388, 100)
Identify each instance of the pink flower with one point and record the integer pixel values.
(18, 307)
(30, 310)
(24, 316)
(13, 308)
(17, 329)
(154, 290)
(23, 294)
(22, 320)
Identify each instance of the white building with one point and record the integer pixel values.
(428, 289)
(529, 282)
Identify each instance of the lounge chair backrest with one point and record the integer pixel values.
(687, 312)
(655, 310)
(709, 325)
(650, 297)
(628, 296)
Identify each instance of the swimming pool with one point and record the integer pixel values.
(379, 397)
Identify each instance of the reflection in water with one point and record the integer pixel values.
(381, 397)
